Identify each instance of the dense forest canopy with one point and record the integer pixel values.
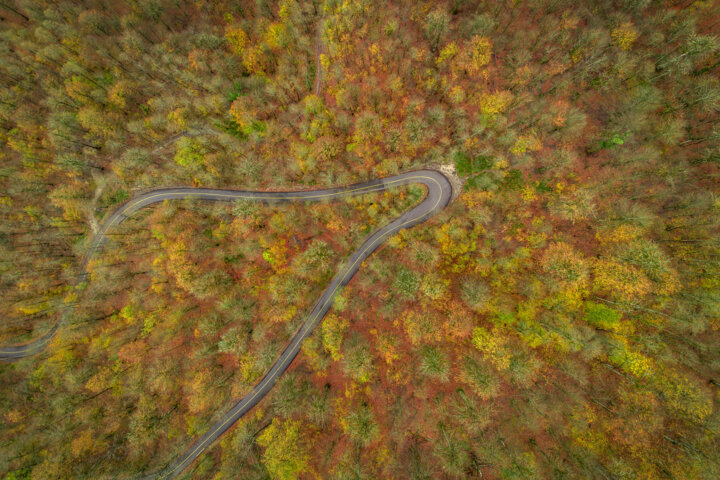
(560, 319)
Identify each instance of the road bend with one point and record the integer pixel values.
(439, 193)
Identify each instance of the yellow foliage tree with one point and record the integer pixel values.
(255, 60)
(685, 395)
(276, 254)
(618, 235)
(566, 267)
(242, 113)
(199, 398)
(623, 282)
(476, 54)
(286, 454)
(119, 92)
(584, 433)
(632, 362)
(456, 244)
(82, 443)
(526, 142)
(494, 103)
(333, 331)
(624, 35)
(101, 381)
(493, 346)
(274, 36)
(237, 39)
(447, 53)
(434, 286)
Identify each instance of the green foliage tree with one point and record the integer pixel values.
(361, 425)
(452, 452)
(436, 27)
(479, 377)
(358, 360)
(190, 153)
(475, 293)
(434, 363)
(406, 282)
(601, 316)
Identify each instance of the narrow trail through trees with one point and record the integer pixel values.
(318, 52)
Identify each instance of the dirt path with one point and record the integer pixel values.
(319, 50)
(99, 189)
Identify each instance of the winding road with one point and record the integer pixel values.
(439, 193)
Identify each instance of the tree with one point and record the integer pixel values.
(421, 327)
(568, 270)
(406, 282)
(624, 35)
(472, 416)
(475, 293)
(494, 346)
(478, 376)
(575, 206)
(287, 449)
(685, 395)
(333, 332)
(358, 360)
(131, 163)
(601, 316)
(360, 424)
(495, 103)
(620, 281)
(434, 287)
(290, 394)
(434, 363)
(436, 27)
(190, 153)
(233, 341)
(475, 54)
(452, 452)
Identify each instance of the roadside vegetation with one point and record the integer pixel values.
(559, 320)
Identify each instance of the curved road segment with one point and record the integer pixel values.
(439, 192)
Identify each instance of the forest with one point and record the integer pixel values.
(560, 319)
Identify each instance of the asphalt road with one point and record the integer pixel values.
(439, 192)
